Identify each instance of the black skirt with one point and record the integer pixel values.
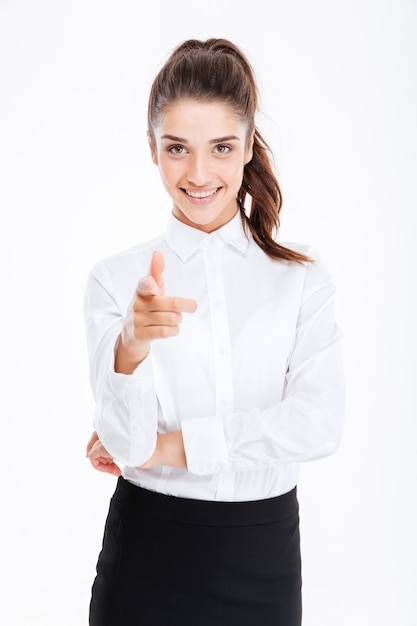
(169, 561)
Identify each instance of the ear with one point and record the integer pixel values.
(249, 148)
(152, 145)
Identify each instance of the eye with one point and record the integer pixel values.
(222, 149)
(176, 150)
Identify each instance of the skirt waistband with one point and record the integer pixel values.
(142, 503)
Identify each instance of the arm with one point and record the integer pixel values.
(307, 423)
(121, 375)
(169, 451)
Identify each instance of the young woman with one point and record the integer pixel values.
(210, 422)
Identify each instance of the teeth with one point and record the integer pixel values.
(200, 194)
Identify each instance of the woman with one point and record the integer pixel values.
(210, 423)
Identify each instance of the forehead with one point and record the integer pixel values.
(203, 117)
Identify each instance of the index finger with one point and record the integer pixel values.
(173, 303)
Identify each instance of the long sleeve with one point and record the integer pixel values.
(307, 423)
(126, 406)
(254, 379)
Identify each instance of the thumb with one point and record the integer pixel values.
(153, 283)
(91, 441)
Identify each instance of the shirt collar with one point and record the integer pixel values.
(184, 240)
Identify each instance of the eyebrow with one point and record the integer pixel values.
(212, 141)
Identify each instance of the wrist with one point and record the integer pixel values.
(172, 449)
(169, 450)
(129, 354)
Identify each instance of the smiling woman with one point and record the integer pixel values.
(210, 424)
(202, 170)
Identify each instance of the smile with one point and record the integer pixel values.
(201, 194)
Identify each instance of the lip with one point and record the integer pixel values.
(208, 195)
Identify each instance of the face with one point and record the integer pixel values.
(201, 150)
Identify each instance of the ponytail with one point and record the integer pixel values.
(261, 184)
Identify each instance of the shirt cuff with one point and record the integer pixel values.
(123, 384)
(205, 445)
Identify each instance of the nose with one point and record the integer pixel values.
(199, 172)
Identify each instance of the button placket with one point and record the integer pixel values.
(221, 348)
(220, 329)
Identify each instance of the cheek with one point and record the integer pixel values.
(172, 164)
(234, 173)
(169, 172)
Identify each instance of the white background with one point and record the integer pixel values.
(338, 85)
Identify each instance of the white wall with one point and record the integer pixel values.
(338, 84)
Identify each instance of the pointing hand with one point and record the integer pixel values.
(150, 315)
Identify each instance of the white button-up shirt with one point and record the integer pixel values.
(254, 379)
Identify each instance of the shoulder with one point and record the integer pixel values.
(307, 249)
(317, 274)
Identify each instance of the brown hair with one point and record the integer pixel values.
(216, 69)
